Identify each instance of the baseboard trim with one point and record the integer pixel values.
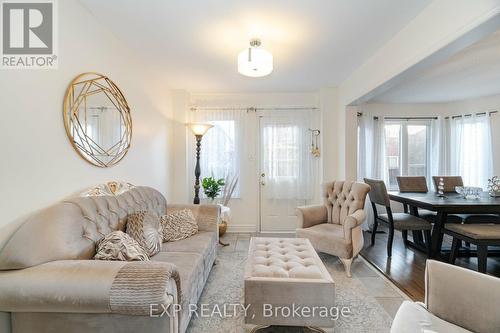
(241, 228)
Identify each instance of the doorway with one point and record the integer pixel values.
(286, 168)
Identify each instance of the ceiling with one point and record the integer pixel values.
(194, 44)
(470, 73)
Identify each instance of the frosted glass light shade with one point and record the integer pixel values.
(255, 62)
(199, 128)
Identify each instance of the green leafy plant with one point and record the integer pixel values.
(212, 187)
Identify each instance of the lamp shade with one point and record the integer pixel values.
(255, 61)
(199, 128)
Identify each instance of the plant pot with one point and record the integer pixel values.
(222, 228)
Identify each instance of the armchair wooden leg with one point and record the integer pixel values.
(347, 265)
(482, 255)
(374, 231)
(389, 241)
(455, 246)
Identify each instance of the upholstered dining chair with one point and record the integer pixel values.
(450, 182)
(335, 226)
(417, 184)
(414, 184)
(395, 221)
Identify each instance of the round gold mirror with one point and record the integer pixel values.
(97, 119)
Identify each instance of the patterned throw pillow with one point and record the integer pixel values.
(145, 228)
(178, 225)
(120, 246)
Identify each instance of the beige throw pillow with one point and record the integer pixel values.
(178, 225)
(120, 246)
(145, 228)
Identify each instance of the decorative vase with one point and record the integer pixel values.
(494, 186)
(222, 228)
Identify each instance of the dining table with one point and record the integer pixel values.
(449, 203)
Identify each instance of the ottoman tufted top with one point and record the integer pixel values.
(284, 258)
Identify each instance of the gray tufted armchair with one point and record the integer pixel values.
(335, 226)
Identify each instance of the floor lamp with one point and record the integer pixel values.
(198, 130)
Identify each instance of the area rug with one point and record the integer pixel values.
(225, 286)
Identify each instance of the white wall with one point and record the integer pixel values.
(482, 104)
(38, 164)
(330, 115)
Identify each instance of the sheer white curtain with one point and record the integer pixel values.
(471, 150)
(440, 147)
(221, 145)
(287, 160)
(371, 156)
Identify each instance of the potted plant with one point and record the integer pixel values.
(212, 187)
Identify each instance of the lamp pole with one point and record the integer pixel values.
(197, 171)
(198, 129)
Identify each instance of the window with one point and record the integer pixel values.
(281, 152)
(393, 153)
(406, 150)
(471, 149)
(219, 155)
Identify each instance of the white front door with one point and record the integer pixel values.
(285, 164)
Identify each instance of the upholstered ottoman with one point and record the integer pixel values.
(286, 284)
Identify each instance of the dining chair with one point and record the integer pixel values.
(450, 182)
(417, 184)
(396, 221)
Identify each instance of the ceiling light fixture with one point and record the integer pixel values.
(255, 61)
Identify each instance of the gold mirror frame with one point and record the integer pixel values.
(83, 87)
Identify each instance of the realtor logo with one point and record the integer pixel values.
(28, 34)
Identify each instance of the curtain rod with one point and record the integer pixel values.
(251, 108)
(432, 118)
(409, 118)
(470, 115)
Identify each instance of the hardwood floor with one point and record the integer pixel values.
(406, 267)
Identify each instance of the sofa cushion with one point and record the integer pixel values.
(328, 238)
(145, 228)
(200, 243)
(178, 225)
(413, 317)
(191, 269)
(204, 243)
(120, 246)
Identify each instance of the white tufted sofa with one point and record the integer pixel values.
(286, 272)
(49, 282)
(335, 226)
